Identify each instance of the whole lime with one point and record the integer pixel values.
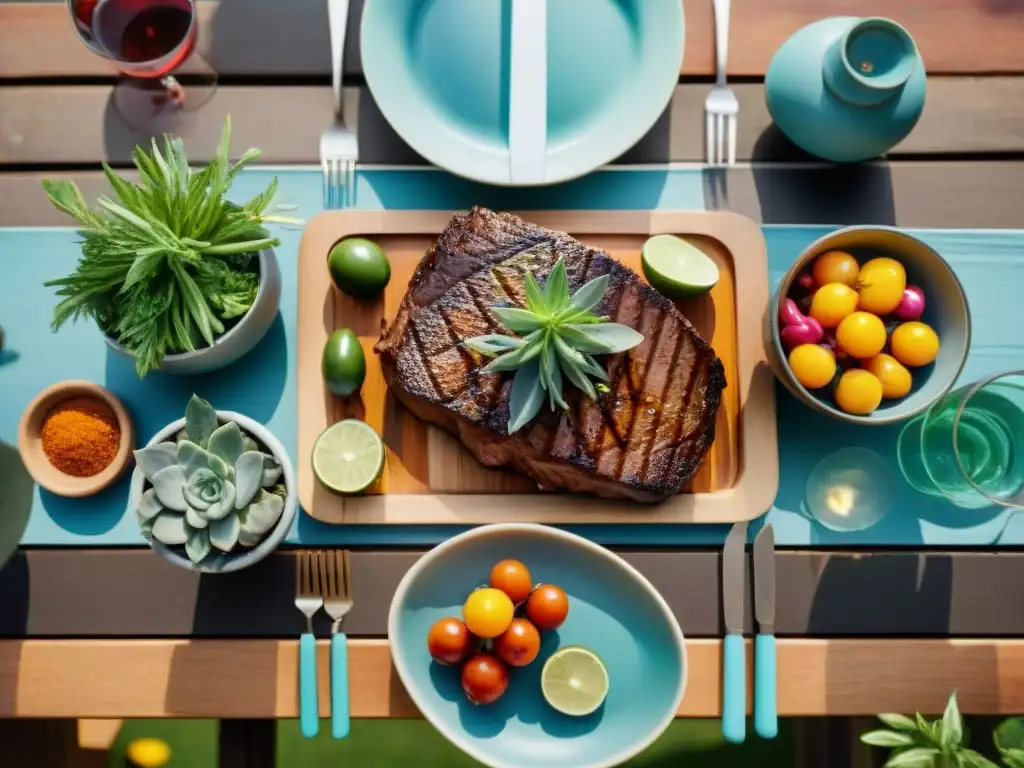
(343, 364)
(359, 267)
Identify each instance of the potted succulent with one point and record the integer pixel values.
(173, 273)
(214, 491)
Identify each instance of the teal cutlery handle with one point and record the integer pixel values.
(766, 717)
(309, 714)
(339, 686)
(734, 689)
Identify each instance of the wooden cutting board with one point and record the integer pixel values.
(431, 478)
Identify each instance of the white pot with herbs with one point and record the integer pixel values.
(215, 491)
(174, 274)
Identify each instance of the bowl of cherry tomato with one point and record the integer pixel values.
(527, 645)
(870, 325)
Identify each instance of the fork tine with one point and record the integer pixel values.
(346, 570)
(719, 139)
(709, 138)
(732, 121)
(314, 558)
(325, 182)
(330, 577)
(351, 183)
(298, 572)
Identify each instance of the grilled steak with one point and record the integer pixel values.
(645, 437)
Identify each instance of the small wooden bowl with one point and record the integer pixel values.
(31, 449)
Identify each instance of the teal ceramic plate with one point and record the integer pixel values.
(613, 610)
(440, 70)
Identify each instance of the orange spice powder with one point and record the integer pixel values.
(81, 436)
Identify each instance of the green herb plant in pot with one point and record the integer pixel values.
(174, 274)
(215, 491)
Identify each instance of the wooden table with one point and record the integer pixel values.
(862, 631)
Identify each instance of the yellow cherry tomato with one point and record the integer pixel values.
(915, 343)
(880, 285)
(861, 334)
(148, 753)
(858, 392)
(831, 303)
(813, 365)
(896, 379)
(835, 267)
(488, 612)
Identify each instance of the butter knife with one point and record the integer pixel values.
(734, 656)
(766, 720)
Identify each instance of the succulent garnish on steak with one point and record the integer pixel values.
(641, 440)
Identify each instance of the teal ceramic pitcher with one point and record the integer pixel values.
(846, 89)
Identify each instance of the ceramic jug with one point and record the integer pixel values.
(846, 89)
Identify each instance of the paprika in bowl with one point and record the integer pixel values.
(75, 438)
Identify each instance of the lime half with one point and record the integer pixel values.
(574, 680)
(676, 268)
(348, 457)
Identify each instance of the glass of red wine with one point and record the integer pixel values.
(155, 45)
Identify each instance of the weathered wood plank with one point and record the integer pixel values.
(51, 593)
(259, 678)
(963, 115)
(912, 194)
(955, 36)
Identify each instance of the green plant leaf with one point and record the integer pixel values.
(917, 757)
(1009, 734)
(556, 288)
(535, 301)
(590, 295)
(926, 729)
(551, 377)
(527, 396)
(891, 739)
(510, 361)
(200, 421)
(493, 344)
(518, 320)
(898, 722)
(971, 759)
(952, 731)
(600, 338)
(1013, 757)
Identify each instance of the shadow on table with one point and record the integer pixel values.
(92, 517)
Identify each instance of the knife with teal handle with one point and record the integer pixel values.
(309, 715)
(766, 717)
(734, 655)
(339, 686)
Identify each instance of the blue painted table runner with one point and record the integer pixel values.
(263, 385)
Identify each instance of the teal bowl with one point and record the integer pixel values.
(946, 310)
(613, 610)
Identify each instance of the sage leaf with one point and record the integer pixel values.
(493, 344)
(527, 396)
(952, 732)
(898, 722)
(518, 320)
(918, 757)
(590, 295)
(600, 338)
(556, 288)
(156, 457)
(890, 739)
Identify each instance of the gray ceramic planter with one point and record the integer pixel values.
(241, 338)
(242, 557)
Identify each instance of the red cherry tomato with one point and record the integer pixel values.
(484, 679)
(519, 645)
(512, 578)
(547, 607)
(449, 642)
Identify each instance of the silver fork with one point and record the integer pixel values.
(337, 581)
(339, 147)
(721, 108)
(308, 599)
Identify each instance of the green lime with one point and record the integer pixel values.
(343, 364)
(359, 267)
(574, 680)
(348, 457)
(676, 268)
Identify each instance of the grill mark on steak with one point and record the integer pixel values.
(613, 447)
